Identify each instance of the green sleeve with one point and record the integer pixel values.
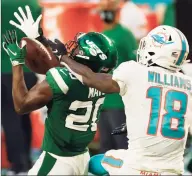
(60, 80)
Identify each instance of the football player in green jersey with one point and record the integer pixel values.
(72, 107)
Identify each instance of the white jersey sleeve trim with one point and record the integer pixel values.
(59, 80)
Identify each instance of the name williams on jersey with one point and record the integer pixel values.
(169, 80)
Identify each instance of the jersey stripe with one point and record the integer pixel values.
(59, 80)
(183, 49)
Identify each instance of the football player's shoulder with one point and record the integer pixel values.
(183, 74)
(126, 71)
(187, 79)
(187, 69)
(126, 64)
(60, 79)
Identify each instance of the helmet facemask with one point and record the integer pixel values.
(72, 46)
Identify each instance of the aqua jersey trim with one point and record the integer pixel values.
(183, 49)
(114, 162)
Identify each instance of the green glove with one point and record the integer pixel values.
(10, 45)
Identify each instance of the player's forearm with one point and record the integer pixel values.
(19, 89)
(102, 82)
(85, 74)
(82, 72)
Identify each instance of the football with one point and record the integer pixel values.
(39, 58)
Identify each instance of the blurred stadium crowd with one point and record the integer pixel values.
(125, 22)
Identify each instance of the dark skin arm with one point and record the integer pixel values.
(28, 100)
(101, 81)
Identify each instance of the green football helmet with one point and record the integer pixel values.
(95, 50)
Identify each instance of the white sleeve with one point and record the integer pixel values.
(123, 75)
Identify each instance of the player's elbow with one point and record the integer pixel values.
(20, 110)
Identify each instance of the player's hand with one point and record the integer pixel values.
(27, 23)
(58, 48)
(120, 130)
(10, 45)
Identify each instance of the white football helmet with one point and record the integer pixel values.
(165, 46)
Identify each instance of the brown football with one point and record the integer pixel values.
(39, 58)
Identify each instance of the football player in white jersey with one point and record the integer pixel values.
(158, 105)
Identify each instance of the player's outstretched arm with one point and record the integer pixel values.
(28, 100)
(26, 23)
(31, 27)
(100, 81)
(24, 100)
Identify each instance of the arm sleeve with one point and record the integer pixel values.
(59, 80)
(123, 75)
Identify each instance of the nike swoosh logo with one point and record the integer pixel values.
(14, 53)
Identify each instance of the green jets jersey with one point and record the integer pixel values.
(72, 114)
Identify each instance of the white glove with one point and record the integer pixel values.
(27, 23)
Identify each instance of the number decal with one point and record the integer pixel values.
(83, 111)
(171, 97)
(154, 93)
(95, 113)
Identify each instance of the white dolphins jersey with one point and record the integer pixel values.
(187, 69)
(158, 107)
